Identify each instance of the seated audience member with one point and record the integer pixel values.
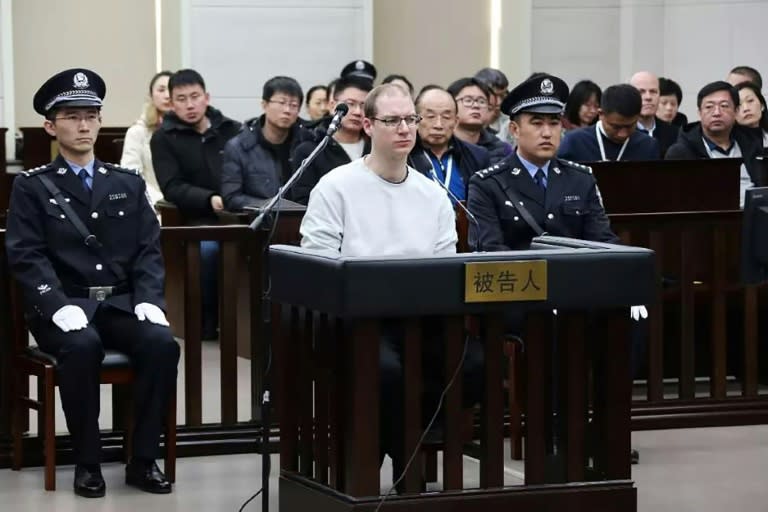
(498, 122)
(670, 98)
(752, 111)
(187, 153)
(347, 144)
(317, 102)
(474, 99)
(379, 206)
(615, 136)
(648, 85)
(582, 106)
(741, 74)
(452, 160)
(257, 161)
(718, 136)
(136, 151)
(400, 80)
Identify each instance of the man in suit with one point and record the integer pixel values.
(561, 197)
(648, 86)
(83, 244)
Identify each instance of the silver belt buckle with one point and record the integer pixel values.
(99, 293)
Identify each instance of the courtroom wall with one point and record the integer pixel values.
(431, 41)
(114, 38)
(694, 42)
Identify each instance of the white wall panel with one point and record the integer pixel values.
(237, 45)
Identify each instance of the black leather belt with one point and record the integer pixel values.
(97, 293)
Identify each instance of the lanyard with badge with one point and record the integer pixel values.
(598, 132)
(446, 171)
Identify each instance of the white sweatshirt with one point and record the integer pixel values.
(354, 212)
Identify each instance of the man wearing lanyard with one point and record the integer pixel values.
(438, 153)
(718, 135)
(615, 135)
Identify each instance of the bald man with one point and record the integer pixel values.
(648, 85)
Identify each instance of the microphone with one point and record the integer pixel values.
(338, 114)
(470, 215)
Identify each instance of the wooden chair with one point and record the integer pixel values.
(30, 360)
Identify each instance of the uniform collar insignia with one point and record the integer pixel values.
(515, 171)
(102, 170)
(556, 169)
(62, 170)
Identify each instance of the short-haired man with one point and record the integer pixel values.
(187, 148)
(670, 99)
(499, 84)
(257, 161)
(81, 298)
(347, 144)
(473, 98)
(438, 153)
(560, 196)
(186, 154)
(718, 136)
(615, 135)
(741, 74)
(379, 206)
(647, 85)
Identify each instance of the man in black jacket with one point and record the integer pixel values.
(257, 161)
(186, 154)
(347, 144)
(438, 153)
(186, 149)
(718, 135)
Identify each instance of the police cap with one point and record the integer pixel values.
(76, 87)
(359, 68)
(542, 94)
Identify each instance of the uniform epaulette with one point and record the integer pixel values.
(37, 170)
(490, 171)
(581, 167)
(115, 167)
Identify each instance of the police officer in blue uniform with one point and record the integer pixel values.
(83, 244)
(531, 191)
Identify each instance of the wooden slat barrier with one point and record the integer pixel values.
(705, 326)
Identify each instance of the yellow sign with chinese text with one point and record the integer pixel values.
(495, 281)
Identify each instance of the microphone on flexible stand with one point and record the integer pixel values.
(338, 114)
(470, 215)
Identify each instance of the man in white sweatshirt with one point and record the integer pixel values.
(379, 206)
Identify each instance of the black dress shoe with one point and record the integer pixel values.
(147, 477)
(88, 482)
(634, 456)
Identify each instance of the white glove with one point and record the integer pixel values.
(70, 318)
(147, 311)
(637, 312)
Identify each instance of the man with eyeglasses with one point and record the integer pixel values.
(615, 136)
(257, 161)
(438, 153)
(349, 143)
(82, 298)
(718, 135)
(379, 206)
(473, 98)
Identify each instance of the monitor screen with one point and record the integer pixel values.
(754, 236)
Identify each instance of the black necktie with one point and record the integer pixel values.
(540, 179)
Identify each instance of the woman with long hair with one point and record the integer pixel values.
(583, 103)
(752, 111)
(136, 151)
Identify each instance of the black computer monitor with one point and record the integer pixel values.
(754, 236)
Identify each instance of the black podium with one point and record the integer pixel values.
(578, 389)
